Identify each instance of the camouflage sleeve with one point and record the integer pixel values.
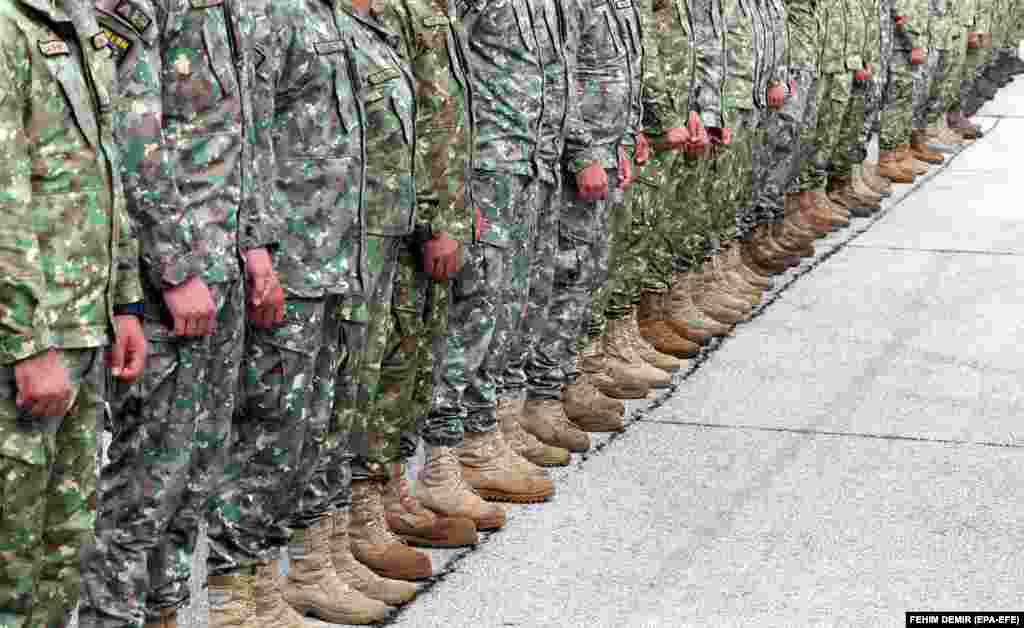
(581, 150)
(442, 124)
(663, 36)
(915, 30)
(709, 60)
(23, 328)
(128, 287)
(154, 198)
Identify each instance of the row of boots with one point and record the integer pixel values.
(356, 565)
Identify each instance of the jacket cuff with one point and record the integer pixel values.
(16, 348)
(176, 272)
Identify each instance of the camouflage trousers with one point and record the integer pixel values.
(835, 91)
(288, 381)
(689, 223)
(168, 453)
(615, 298)
(47, 495)
(732, 187)
(802, 107)
(486, 307)
(581, 267)
(897, 117)
(776, 132)
(850, 146)
(956, 59)
(924, 84)
(530, 360)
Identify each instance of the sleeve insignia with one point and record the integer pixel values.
(54, 47)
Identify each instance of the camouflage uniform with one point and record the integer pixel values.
(804, 22)
(841, 132)
(536, 350)
(961, 24)
(308, 101)
(65, 242)
(387, 90)
(488, 296)
(872, 54)
(776, 130)
(904, 79)
(607, 78)
(185, 121)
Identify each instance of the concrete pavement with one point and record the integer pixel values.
(854, 452)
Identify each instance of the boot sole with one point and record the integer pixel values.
(397, 575)
(310, 611)
(416, 541)
(635, 393)
(494, 496)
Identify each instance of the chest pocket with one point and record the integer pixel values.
(336, 55)
(217, 43)
(388, 106)
(628, 19)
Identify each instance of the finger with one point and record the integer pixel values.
(260, 283)
(135, 363)
(180, 325)
(117, 355)
(279, 312)
(204, 324)
(23, 393)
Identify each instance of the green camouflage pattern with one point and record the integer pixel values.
(67, 251)
(185, 123)
(804, 21)
(48, 471)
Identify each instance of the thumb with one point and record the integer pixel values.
(117, 355)
(21, 385)
(259, 283)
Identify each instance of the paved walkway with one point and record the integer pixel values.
(854, 452)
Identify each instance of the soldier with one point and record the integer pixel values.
(897, 162)
(487, 297)
(946, 38)
(962, 57)
(185, 120)
(310, 103)
(71, 286)
(608, 72)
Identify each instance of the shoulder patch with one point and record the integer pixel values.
(133, 15)
(100, 41)
(329, 47)
(623, 4)
(54, 47)
(437, 20)
(118, 44)
(206, 4)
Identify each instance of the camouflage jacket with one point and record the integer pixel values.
(870, 50)
(744, 49)
(668, 74)
(775, 56)
(841, 36)
(386, 88)
(708, 24)
(506, 84)
(67, 253)
(184, 121)
(915, 32)
(804, 25)
(434, 45)
(306, 93)
(608, 74)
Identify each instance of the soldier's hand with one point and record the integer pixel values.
(974, 40)
(870, 70)
(698, 140)
(900, 21)
(860, 76)
(917, 56)
(792, 89)
(442, 257)
(260, 272)
(592, 183)
(43, 386)
(643, 150)
(776, 96)
(192, 308)
(128, 355)
(625, 170)
(271, 311)
(676, 138)
(986, 40)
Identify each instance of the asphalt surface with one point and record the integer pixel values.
(854, 452)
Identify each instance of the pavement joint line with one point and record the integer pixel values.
(882, 247)
(637, 416)
(815, 432)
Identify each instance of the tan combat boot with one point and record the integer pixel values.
(696, 337)
(839, 217)
(418, 526)
(357, 575)
(619, 353)
(814, 215)
(733, 281)
(168, 618)
(656, 330)
(843, 193)
(734, 260)
(232, 602)
(920, 151)
(611, 379)
(591, 411)
(910, 162)
(270, 608)
(878, 183)
(717, 306)
(545, 419)
(522, 442)
(374, 545)
(442, 489)
(644, 349)
(487, 467)
(891, 166)
(936, 141)
(760, 256)
(313, 587)
(862, 189)
(682, 310)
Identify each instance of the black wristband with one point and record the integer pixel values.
(137, 309)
